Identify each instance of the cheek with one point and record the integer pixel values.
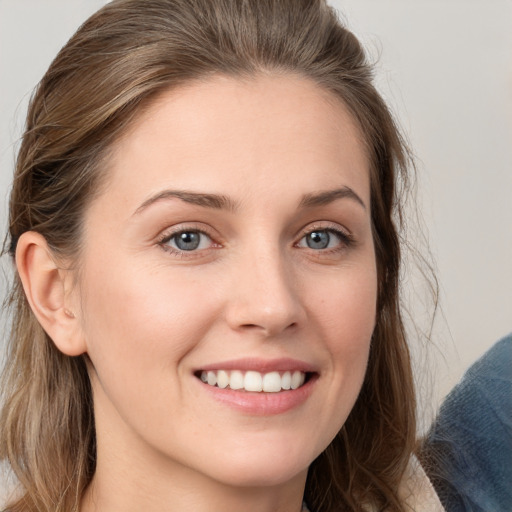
(347, 308)
(143, 318)
(139, 331)
(345, 312)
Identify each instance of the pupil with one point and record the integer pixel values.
(187, 241)
(318, 240)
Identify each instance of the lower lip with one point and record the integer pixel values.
(262, 404)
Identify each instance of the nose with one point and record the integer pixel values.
(264, 296)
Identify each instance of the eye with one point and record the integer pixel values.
(187, 241)
(321, 239)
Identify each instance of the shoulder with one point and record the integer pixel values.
(469, 447)
(416, 491)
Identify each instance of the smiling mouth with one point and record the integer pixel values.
(252, 381)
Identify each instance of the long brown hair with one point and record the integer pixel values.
(120, 59)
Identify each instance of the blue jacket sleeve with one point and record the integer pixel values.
(469, 448)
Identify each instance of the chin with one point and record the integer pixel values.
(271, 474)
(260, 467)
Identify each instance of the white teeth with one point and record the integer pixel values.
(286, 380)
(236, 380)
(297, 380)
(253, 381)
(222, 379)
(212, 378)
(271, 382)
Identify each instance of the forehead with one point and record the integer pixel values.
(222, 133)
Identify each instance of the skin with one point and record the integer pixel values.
(149, 315)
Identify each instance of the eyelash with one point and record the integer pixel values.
(346, 240)
(168, 236)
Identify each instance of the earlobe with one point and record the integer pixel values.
(47, 288)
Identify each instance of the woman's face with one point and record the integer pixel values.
(232, 244)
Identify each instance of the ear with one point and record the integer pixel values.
(48, 289)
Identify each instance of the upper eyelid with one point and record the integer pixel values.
(324, 226)
(337, 232)
(169, 236)
(169, 232)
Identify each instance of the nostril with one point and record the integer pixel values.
(269, 328)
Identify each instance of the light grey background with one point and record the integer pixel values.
(445, 66)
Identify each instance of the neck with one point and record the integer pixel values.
(132, 478)
(134, 490)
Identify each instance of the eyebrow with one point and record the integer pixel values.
(221, 202)
(328, 196)
(215, 201)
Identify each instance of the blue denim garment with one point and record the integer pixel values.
(468, 451)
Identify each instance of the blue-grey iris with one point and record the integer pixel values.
(318, 240)
(187, 241)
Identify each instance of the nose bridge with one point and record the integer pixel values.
(264, 295)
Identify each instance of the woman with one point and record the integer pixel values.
(206, 311)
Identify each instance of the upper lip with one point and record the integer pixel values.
(261, 365)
